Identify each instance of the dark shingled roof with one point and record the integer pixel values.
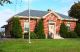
(36, 13)
(39, 13)
(64, 16)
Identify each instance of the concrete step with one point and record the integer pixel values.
(57, 37)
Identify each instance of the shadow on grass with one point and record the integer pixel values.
(2, 50)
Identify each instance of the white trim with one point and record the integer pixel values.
(28, 17)
(54, 27)
(26, 25)
(73, 19)
(59, 17)
(23, 17)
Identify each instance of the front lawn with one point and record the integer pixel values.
(40, 45)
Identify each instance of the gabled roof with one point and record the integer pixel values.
(38, 13)
(64, 16)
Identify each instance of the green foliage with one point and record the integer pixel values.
(77, 29)
(16, 28)
(32, 35)
(65, 33)
(39, 30)
(63, 30)
(75, 10)
(72, 34)
(4, 1)
(0, 33)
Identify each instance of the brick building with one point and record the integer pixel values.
(51, 21)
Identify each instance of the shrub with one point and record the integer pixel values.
(63, 30)
(77, 29)
(16, 31)
(39, 30)
(72, 34)
(69, 34)
(32, 35)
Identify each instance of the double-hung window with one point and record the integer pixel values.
(26, 26)
(68, 25)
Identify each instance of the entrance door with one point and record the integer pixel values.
(51, 30)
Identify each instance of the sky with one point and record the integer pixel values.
(8, 10)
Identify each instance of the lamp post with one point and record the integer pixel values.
(29, 19)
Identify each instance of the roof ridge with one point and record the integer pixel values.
(39, 13)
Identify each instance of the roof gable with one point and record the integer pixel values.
(38, 13)
(42, 14)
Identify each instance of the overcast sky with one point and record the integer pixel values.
(8, 10)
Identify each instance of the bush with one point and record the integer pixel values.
(77, 29)
(39, 30)
(67, 34)
(63, 30)
(72, 34)
(16, 30)
(32, 35)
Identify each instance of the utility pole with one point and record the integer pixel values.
(29, 20)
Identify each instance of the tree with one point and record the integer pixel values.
(4, 1)
(16, 28)
(77, 29)
(75, 13)
(39, 30)
(75, 10)
(63, 30)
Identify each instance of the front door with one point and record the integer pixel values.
(51, 30)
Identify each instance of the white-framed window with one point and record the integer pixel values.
(50, 21)
(26, 26)
(68, 25)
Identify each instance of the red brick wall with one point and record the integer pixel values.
(47, 18)
(58, 23)
(32, 24)
(72, 25)
(22, 24)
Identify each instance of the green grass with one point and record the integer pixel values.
(37, 45)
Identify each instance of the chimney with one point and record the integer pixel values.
(49, 10)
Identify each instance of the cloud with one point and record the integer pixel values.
(5, 15)
(65, 5)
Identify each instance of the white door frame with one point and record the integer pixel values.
(54, 27)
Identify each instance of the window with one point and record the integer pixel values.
(26, 26)
(68, 25)
(50, 21)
